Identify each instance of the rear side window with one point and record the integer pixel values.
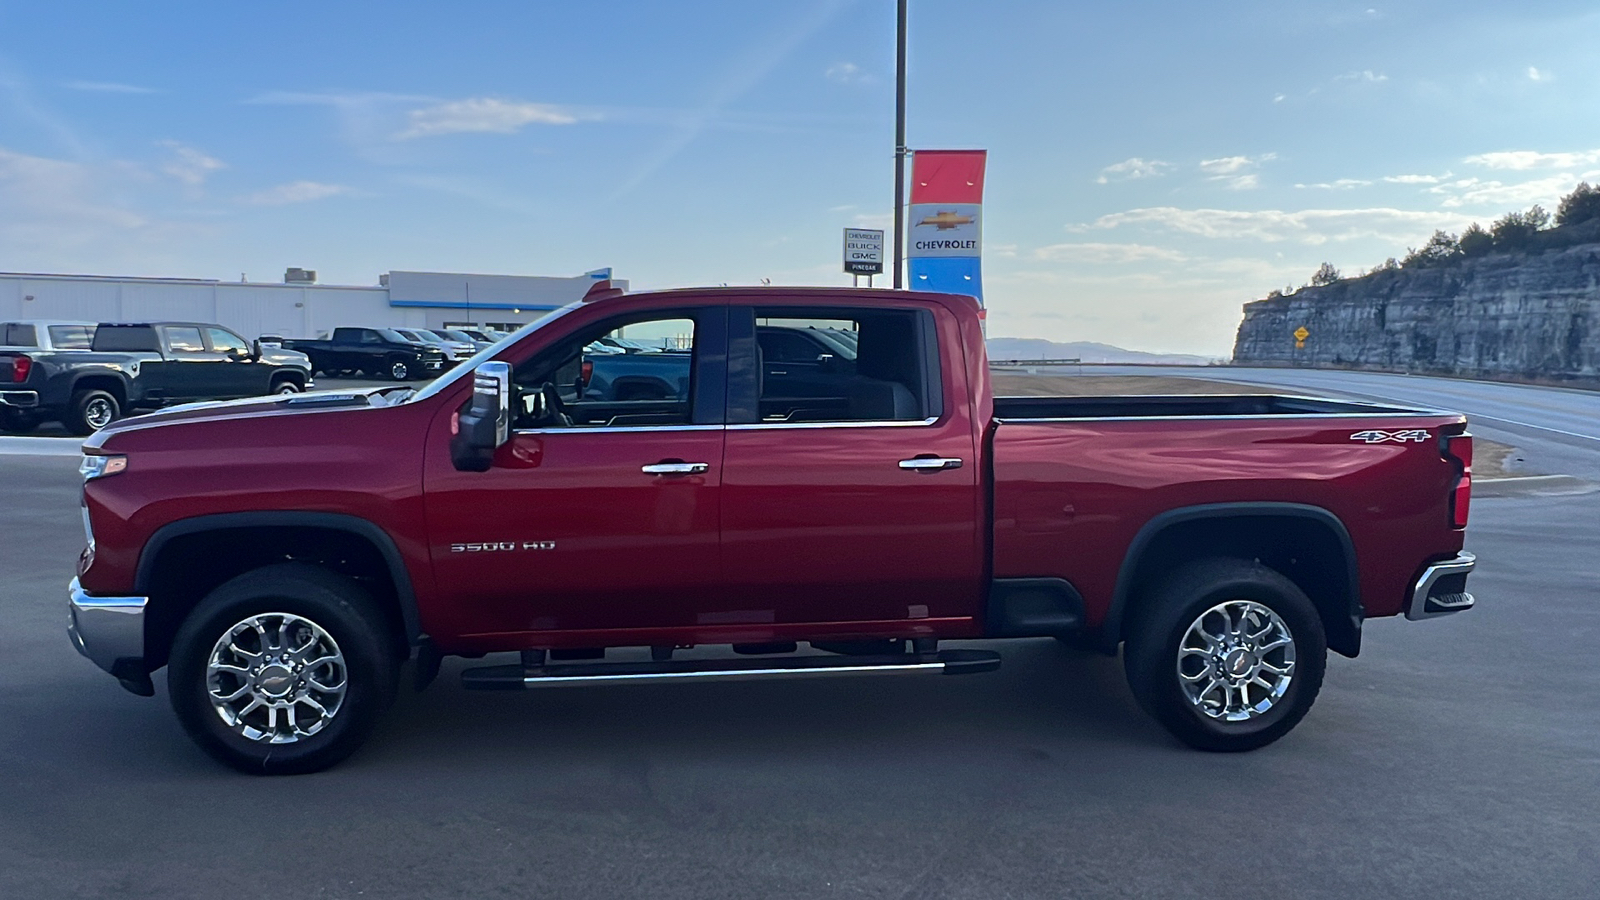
(18, 334)
(72, 337)
(184, 339)
(127, 339)
(840, 365)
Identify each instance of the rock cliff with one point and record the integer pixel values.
(1532, 314)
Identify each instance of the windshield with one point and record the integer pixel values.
(464, 370)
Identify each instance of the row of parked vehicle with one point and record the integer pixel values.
(87, 375)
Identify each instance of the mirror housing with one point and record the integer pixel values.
(485, 424)
(255, 350)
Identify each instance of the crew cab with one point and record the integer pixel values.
(134, 366)
(283, 558)
(380, 352)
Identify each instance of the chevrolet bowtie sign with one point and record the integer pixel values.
(863, 251)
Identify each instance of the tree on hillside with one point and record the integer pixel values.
(1475, 241)
(1580, 206)
(1439, 248)
(1325, 275)
(1515, 229)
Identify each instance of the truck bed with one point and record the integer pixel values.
(1015, 409)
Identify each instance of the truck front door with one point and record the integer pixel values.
(598, 523)
(238, 374)
(855, 507)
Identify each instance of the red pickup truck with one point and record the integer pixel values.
(283, 557)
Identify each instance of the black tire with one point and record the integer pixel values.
(286, 386)
(334, 604)
(399, 370)
(14, 421)
(1165, 615)
(91, 409)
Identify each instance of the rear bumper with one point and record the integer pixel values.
(1441, 589)
(19, 399)
(110, 632)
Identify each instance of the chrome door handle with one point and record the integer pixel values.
(930, 463)
(675, 468)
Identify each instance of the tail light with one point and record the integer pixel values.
(585, 373)
(20, 367)
(1459, 448)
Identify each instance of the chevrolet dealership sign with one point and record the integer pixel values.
(863, 251)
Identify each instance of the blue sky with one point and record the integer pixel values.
(1152, 165)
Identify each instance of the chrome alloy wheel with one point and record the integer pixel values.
(276, 678)
(1236, 661)
(98, 413)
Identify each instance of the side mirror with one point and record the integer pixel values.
(485, 424)
(255, 350)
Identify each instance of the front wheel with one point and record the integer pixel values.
(283, 670)
(286, 386)
(399, 370)
(1227, 654)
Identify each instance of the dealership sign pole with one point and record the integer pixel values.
(899, 144)
(946, 241)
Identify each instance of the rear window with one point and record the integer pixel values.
(72, 337)
(17, 334)
(126, 339)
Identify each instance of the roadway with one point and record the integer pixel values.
(1454, 758)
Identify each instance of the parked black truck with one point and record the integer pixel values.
(379, 352)
(131, 367)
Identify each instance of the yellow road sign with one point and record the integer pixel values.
(1300, 334)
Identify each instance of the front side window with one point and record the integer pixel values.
(847, 365)
(225, 341)
(585, 382)
(184, 339)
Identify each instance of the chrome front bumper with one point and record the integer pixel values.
(1441, 589)
(108, 630)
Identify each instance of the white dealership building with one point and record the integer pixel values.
(298, 307)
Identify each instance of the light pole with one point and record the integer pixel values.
(899, 143)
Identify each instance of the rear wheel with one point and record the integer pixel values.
(283, 670)
(1227, 654)
(91, 410)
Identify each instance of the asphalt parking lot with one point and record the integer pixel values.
(1457, 757)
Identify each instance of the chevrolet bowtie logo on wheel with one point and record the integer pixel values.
(1399, 437)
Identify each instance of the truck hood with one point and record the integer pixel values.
(250, 408)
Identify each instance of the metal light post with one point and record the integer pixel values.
(899, 144)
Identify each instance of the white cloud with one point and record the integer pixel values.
(189, 165)
(1279, 98)
(295, 192)
(1133, 168)
(1537, 74)
(482, 115)
(1230, 165)
(1414, 179)
(1311, 226)
(1096, 253)
(1343, 184)
(872, 220)
(846, 73)
(1365, 76)
(1475, 192)
(1236, 173)
(1523, 160)
(108, 87)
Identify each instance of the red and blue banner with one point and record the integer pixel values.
(945, 227)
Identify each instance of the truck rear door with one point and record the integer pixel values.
(856, 500)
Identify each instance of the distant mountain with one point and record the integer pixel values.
(1087, 351)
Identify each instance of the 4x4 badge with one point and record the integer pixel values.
(1374, 436)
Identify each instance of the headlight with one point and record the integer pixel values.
(98, 466)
